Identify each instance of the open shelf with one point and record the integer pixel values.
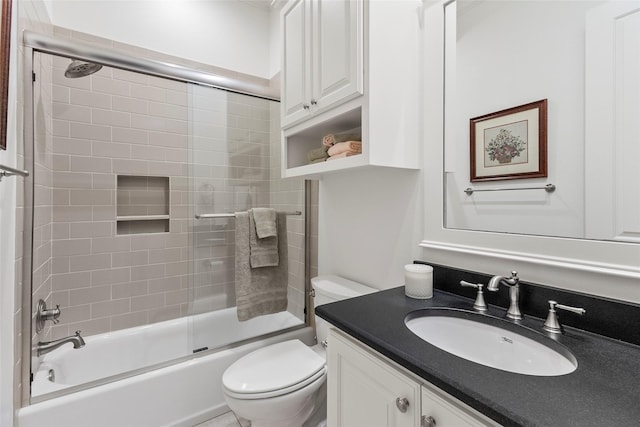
(300, 141)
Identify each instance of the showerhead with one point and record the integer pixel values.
(81, 69)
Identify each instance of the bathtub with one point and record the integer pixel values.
(173, 394)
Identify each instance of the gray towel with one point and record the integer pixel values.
(263, 290)
(264, 252)
(265, 219)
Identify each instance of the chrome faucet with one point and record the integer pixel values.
(513, 283)
(47, 346)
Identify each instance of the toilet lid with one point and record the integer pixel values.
(272, 368)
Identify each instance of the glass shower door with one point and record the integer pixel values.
(235, 155)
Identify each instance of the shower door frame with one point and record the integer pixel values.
(38, 43)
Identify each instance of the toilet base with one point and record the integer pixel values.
(294, 420)
(318, 417)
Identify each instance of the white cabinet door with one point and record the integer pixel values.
(337, 52)
(363, 390)
(322, 56)
(441, 410)
(296, 61)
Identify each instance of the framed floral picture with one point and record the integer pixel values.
(510, 144)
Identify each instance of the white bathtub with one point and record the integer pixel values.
(180, 394)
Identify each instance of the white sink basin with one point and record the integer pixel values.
(490, 345)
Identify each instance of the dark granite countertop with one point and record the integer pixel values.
(603, 390)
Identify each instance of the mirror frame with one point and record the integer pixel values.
(603, 268)
(5, 47)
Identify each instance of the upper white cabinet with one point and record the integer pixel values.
(351, 66)
(322, 56)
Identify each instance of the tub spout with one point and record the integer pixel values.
(47, 346)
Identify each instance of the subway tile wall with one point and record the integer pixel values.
(104, 281)
(220, 152)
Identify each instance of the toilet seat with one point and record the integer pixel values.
(274, 370)
(281, 392)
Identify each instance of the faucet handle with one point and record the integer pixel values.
(55, 314)
(43, 314)
(551, 324)
(479, 303)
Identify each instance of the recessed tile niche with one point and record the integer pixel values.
(142, 204)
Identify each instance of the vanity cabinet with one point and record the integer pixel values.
(367, 389)
(362, 390)
(322, 56)
(344, 71)
(441, 410)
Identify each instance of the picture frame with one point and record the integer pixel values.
(5, 46)
(509, 144)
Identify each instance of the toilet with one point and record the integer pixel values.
(282, 385)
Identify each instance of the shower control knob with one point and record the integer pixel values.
(56, 314)
(43, 314)
(402, 404)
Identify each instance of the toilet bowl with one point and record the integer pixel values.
(281, 385)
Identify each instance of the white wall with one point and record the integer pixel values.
(226, 33)
(275, 38)
(370, 224)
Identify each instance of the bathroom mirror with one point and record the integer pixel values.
(5, 39)
(582, 58)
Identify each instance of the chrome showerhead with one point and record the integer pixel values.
(81, 69)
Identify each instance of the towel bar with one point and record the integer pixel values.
(9, 171)
(232, 215)
(549, 188)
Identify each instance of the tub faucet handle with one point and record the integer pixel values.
(552, 324)
(479, 303)
(56, 314)
(43, 314)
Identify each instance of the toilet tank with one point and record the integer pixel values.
(334, 288)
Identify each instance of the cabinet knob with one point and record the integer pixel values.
(402, 404)
(428, 421)
(305, 106)
(313, 101)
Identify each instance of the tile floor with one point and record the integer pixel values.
(228, 419)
